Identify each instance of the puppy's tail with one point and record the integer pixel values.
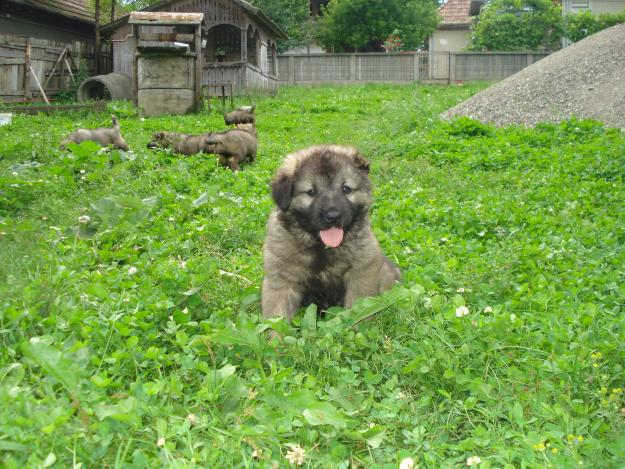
(115, 122)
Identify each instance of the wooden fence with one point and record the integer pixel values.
(19, 53)
(402, 67)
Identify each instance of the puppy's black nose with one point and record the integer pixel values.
(332, 215)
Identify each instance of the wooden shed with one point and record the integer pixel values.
(33, 33)
(238, 47)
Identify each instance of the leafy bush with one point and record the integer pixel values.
(579, 25)
(513, 25)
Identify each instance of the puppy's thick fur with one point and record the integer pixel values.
(183, 144)
(105, 136)
(319, 246)
(241, 115)
(233, 146)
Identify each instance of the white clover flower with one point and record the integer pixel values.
(256, 454)
(297, 455)
(473, 461)
(82, 171)
(185, 311)
(84, 219)
(171, 219)
(512, 317)
(460, 290)
(192, 419)
(182, 264)
(406, 463)
(427, 302)
(14, 173)
(132, 270)
(126, 300)
(461, 311)
(488, 309)
(160, 442)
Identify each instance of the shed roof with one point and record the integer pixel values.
(251, 10)
(74, 9)
(459, 13)
(165, 17)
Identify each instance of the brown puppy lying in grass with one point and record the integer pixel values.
(241, 115)
(182, 144)
(105, 136)
(234, 146)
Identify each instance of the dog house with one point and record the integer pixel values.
(167, 66)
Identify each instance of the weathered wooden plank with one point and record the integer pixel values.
(98, 106)
(11, 61)
(161, 17)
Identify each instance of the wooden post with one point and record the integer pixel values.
(69, 69)
(45, 98)
(98, 45)
(27, 69)
(198, 68)
(244, 45)
(135, 76)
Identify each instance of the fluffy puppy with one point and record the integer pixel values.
(105, 136)
(233, 146)
(241, 115)
(183, 144)
(319, 246)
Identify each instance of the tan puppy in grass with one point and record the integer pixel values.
(105, 136)
(319, 246)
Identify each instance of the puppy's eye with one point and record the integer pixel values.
(312, 192)
(346, 189)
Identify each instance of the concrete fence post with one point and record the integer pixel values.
(291, 69)
(352, 67)
(452, 68)
(416, 72)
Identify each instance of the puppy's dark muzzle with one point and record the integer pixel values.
(332, 216)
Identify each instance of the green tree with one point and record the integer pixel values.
(579, 25)
(363, 25)
(509, 25)
(292, 16)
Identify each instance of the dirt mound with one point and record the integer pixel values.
(586, 80)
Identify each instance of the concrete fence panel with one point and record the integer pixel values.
(402, 67)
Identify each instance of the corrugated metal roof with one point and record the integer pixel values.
(75, 9)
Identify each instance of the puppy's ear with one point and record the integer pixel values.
(282, 191)
(361, 163)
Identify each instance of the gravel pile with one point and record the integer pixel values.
(586, 79)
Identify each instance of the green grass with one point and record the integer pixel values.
(167, 366)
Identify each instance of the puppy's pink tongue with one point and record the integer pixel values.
(332, 237)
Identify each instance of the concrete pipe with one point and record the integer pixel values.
(114, 86)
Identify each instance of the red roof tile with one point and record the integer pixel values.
(455, 12)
